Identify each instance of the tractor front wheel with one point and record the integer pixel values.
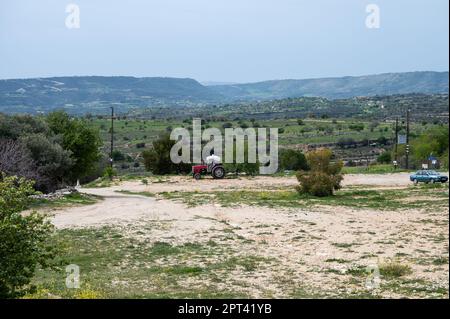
(197, 176)
(218, 172)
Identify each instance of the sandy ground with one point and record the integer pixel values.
(118, 207)
(301, 240)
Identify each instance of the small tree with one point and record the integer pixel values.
(324, 176)
(157, 160)
(82, 140)
(24, 240)
(293, 160)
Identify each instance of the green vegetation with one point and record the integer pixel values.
(25, 241)
(394, 269)
(323, 178)
(54, 151)
(372, 169)
(376, 138)
(146, 269)
(433, 142)
(157, 160)
(292, 160)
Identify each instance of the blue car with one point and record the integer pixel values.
(426, 176)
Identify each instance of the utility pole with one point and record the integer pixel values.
(407, 138)
(112, 136)
(396, 139)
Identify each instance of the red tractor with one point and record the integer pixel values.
(215, 169)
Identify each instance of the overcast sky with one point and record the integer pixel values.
(222, 40)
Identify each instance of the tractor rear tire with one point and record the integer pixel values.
(218, 172)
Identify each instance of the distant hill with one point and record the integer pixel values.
(342, 87)
(95, 94)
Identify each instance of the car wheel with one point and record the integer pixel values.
(433, 181)
(197, 176)
(218, 172)
(415, 182)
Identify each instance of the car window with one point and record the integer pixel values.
(432, 173)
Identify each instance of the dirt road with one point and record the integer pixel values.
(118, 207)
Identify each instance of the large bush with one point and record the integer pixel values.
(24, 240)
(157, 160)
(324, 176)
(52, 161)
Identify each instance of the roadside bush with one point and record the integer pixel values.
(24, 240)
(384, 158)
(324, 176)
(109, 172)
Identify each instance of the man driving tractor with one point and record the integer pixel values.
(213, 166)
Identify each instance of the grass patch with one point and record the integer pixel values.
(394, 270)
(401, 199)
(114, 265)
(372, 169)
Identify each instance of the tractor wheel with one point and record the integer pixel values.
(218, 172)
(197, 176)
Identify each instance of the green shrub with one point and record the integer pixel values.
(157, 160)
(109, 172)
(384, 158)
(24, 240)
(293, 160)
(324, 176)
(118, 156)
(394, 269)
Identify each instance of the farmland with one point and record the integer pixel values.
(367, 138)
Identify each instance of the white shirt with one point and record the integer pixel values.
(212, 159)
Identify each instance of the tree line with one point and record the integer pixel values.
(53, 150)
